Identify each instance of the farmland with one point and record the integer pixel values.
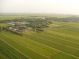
(58, 41)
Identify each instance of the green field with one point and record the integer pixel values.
(59, 41)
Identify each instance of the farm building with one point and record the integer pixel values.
(17, 27)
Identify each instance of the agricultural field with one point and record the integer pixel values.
(58, 41)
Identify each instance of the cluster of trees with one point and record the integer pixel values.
(18, 25)
(2, 28)
(64, 19)
(37, 25)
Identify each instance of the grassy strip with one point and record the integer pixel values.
(9, 52)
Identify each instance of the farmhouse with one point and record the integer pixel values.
(18, 27)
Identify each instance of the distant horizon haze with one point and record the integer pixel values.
(40, 6)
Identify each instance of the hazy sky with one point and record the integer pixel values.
(40, 6)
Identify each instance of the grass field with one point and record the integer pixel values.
(59, 41)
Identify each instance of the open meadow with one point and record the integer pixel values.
(58, 41)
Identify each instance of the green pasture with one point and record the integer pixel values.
(59, 41)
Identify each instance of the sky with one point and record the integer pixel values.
(40, 6)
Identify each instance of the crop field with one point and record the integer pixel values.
(59, 41)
